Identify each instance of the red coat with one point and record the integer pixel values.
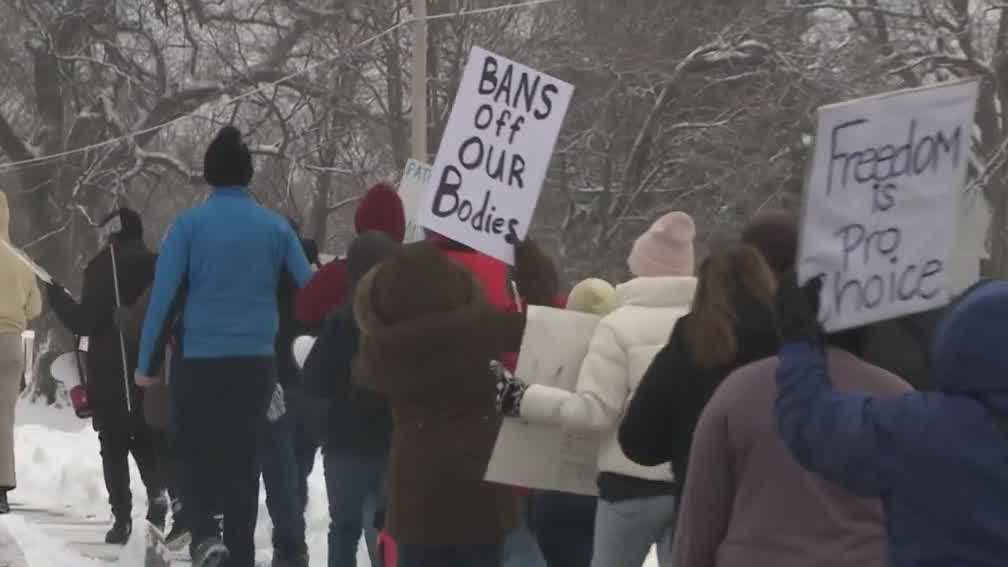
(325, 291)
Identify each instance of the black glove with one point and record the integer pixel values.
(57, 294)
(311, 251)
(535, 274)
(510, 390)
(798, 310)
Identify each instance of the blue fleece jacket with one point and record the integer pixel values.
(938, 461)
(226, 256)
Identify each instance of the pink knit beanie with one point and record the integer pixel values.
(666, 249)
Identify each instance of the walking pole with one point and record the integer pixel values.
(122, 340)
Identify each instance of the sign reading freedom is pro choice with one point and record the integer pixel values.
(494, 154)
(881, 202)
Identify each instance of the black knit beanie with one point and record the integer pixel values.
(227, 162)
(366, 252)
(132, 224)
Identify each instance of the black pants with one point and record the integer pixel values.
(219, 418)
(119, 438)
(564, 526)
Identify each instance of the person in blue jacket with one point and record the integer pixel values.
(221, 264)
(938, 460)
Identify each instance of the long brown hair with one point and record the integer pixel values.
(723, 278)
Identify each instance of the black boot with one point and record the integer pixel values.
(120, 532)
(179, 537)
(157, 511)
(4, 505)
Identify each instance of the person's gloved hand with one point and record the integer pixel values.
(311, 251)
(535, 274)
(510, 390)
(56, 293)
(798, 309)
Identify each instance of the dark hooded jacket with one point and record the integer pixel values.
(427, 337)
(938, 461)
(357, 420)
(659, 423)
(93, 317)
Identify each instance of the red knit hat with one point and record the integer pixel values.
(381, 210)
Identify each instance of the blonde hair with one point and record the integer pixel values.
(722, 278)
(593, 295)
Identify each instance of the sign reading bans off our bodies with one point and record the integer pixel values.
(882, 201)
(494, 154)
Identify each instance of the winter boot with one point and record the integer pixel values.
(179, 537)
(120, 532)
(210, 553)
(157, 511)
(4, 505)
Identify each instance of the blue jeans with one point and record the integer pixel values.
(449, 556)
(283, 498)
(356, 489)
(520, 549)
(626, 530)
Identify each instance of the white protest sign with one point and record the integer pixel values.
(415, 179)
(882, 201)
(494, 154)
(38, 271)
(543, 456)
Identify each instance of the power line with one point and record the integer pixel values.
(223, 104)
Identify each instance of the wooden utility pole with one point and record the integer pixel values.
(420, 81)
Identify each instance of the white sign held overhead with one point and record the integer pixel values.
(494, 154)
(415, 179)
(882, 200)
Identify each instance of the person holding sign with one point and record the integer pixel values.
(116, 277)
(637, 504)
(937, 460)
(428, 333)
(20, 302)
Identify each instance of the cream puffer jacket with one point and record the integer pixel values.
(622, 348)
(20, 300)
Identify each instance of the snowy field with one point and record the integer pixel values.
(59, 469)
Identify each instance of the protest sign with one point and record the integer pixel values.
(35, 268)
(882, 200)
(494, 154)
(543, 456)
(415, 179)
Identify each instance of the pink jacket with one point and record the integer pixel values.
(747, 503)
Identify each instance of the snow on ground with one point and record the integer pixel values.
(59, 469)
(41, 550)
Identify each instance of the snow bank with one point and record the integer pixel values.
(41, 550)
(59, 468)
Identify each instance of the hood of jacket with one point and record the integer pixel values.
(669, 291)
(969, 352)
(4, 218)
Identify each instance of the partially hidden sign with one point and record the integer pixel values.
(494, 155)
(415, 179)
(882, 200)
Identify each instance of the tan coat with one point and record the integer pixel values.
(20, 300)
(434, 370)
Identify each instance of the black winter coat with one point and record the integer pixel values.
(358, 421)
(659, 422)
(93, 318)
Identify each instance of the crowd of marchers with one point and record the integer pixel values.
(735, 431)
